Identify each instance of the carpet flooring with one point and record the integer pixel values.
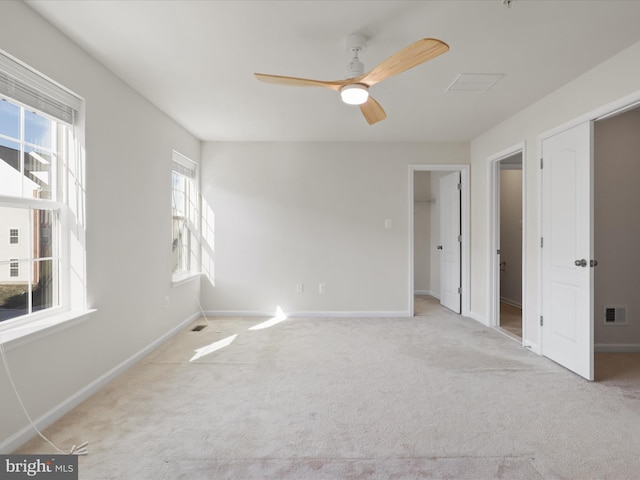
(435, 396)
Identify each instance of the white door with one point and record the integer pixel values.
(567, 248)
(450, 241)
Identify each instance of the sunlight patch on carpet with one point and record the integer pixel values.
(280, 316)
(201, 352)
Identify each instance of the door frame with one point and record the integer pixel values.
(612, 108)
(465, 218)
(493, 267)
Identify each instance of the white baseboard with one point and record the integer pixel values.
(534, 347)
(431, 293)
(25, 434)
(313, 314)
(616, 348)
(511, 302)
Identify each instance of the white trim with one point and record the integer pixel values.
(28, 329)
(534, 347)
(184, 277)
(617, 106)
(465, 219)
(510, 302)
(48, 418)
(493, 291)
(310, 314)
(431, 293)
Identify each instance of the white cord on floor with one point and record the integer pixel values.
(75, 450)
(202, 311)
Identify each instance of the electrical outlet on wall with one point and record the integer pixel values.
(299, 288)
(322, 288)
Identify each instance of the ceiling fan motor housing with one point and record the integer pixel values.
(354, 44)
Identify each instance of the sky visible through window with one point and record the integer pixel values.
(37, 129)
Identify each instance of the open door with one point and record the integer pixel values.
(567, 249)
(450, 287)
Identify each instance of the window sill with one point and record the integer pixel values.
(184, 278)
(18, 335)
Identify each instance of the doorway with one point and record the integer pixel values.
(434, 276)
(590, 271)
(506, 245)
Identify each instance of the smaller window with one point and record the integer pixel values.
(14, 270)
(14, 236)
(186, 216)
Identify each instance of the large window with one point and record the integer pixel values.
(185, 211)
(40, 192)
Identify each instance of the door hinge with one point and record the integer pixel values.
(541, 242)
(541, 320)
(459, 290)
(459, 186)
(460, 238)
(541, 164)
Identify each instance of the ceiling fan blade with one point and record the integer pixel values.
(300, 82)
(372, 111)
(409, 57)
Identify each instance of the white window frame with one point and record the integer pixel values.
(186, 169)
(23, 86)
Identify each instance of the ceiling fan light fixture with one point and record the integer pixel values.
(354, 94)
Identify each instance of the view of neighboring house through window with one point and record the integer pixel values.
(185, 212)
(37, 183)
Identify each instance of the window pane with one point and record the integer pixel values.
(178, 200)
(45, 280)
(38, 130)
(9, 119)
(44, 235)
(181, 245)
(37, 168)
(10, 178)
(13, 289)
(14, 243)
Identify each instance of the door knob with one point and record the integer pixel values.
(581, 263)
(594, 263)
(439, 247)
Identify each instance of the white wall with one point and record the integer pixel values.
(289, 213)
(422, 232)
(128, 151)
(511, 236)
(616, 78)
(617, 230)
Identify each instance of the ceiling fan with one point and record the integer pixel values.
(355, 89)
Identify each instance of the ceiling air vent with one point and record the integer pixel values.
(615, 315)
(474, 82)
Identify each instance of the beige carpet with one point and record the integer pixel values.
(434, 396)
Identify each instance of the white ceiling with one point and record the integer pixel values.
(195, 59)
